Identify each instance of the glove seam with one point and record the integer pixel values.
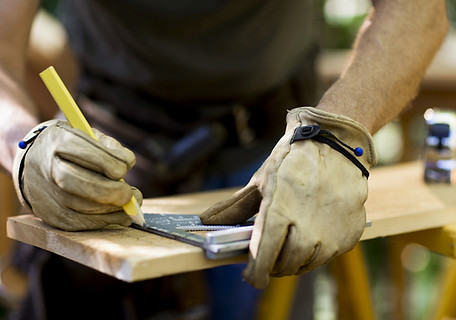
(20, 176)
(274, 182)
(27, 144)
(340, 119)
(91, 141)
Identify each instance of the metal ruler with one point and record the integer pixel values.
(220, 241)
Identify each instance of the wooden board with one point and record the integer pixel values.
(399, 202)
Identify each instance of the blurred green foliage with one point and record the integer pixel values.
(340, 33)
(341, 36)
(50, 5)
(451, 8)
(342, 20)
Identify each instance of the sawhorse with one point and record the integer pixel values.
(443, 241)
(354, 300)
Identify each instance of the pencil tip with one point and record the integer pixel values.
(139, 217)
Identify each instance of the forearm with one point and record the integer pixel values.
(16, 120)
(393, 50)
(17, 111)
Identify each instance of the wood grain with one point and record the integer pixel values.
(399, 202)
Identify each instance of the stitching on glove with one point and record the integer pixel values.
(318, 114)
(23, 144)
(312, 257)
(314, 132)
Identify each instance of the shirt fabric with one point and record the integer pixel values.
(193, 50)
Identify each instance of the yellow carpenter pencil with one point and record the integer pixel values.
(77, 120)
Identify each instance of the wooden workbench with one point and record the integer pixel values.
(399, 202)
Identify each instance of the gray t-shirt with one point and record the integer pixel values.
(184, 50)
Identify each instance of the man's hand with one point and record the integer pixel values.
(309, 198)
(71, 181)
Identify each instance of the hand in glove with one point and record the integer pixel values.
(309, 195)
(71, 181)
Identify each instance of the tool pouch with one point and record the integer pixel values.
(174, 141)
(162, 158)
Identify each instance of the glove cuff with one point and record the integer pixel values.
(19, 160)
(343, 128)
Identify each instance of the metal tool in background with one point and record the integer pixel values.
(440, 146)
(221, 241)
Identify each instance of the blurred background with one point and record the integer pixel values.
(404, 280)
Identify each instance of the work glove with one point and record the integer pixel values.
(309, 195)
(70, 180)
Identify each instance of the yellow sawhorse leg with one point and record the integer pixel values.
(277, 299)
(354, 292)
(352, 280)
(441, 240)
(398, 278)
(446, 309)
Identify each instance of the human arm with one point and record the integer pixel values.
(24, 98)
(309, 195)
(394, 47)
(19, 114)
(63, 176)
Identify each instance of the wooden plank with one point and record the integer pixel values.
(125, 253)
(399, 202)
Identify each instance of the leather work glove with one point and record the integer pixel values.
(309, 195)
(70, 180)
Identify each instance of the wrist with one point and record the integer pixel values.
(345, 129)
(349, 109)
(11, 132)
(22, 147)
